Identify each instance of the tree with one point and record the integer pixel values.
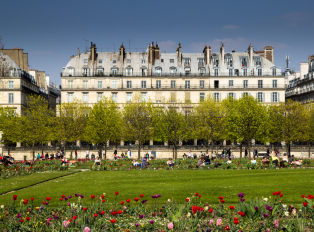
(36, 121)
(103, 123)
(10, 127)
(294, 125)
(309, 134)
(71, 123)
(170, 124)
(209, 119)
(275, 123)
(137, 121)
(245, 121)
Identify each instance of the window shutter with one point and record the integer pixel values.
(263, 97)
(278, 97)
(271, 97)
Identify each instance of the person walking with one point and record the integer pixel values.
(245, 152)
(75, 154)
(87, 154)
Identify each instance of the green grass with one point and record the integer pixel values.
(175, 184)
(11, 184)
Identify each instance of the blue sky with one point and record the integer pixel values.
(51, 31)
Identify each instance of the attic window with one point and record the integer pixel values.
(85, 61)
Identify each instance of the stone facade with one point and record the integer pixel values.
(180, 77)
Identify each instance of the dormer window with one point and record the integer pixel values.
(85, 61)
(200, 62)
(171, 60)
(244, 62)
(100, 61)
(216, 62)
(114, 61)
(258, 61)
(187, 61)
(129, 61)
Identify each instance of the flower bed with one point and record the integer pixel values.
(153, 213)
(20, 168)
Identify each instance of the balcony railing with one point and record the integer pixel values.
(163, 87)
(239, 74)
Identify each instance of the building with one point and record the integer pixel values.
(301, 85)
(180, 77)
(16, 83)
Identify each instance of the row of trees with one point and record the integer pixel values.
(240, 120)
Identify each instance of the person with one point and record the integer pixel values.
(265, 160)
(115, 157)
(229, 152)
(87, 154)
(64, 161)
(38, 156)
(136, 164)
(207, 160)
(62, 154)
(253, 161)
(144, 162)
(75, 154)
(297, 162)
(254, 153)
(245, 153)
(93, 156)
(190, 154)
(129, 154)
(122, 155)
(200, 162)
(229, 161)
(170, 163)
(147, 155)
(222, 153)
(291, 159)
(274, 159)
(284, 157)
(194, 156)
(42, 156)
(104, 154)
(97, 161)
(115, 152)
(184, 156)
(201, 153)
(267, 151)
(47, 156)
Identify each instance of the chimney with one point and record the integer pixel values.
(222, 53)
(151, 53)
(157, 52)
(93, 52)
(250, 52)
(179, 55)
(269, 53)
(78, 52)
(121, 54)
(207, 55)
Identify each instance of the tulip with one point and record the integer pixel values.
(113, 221)
(122, 202)
(92, 196)
(218, 222)
(95, 215)
(136, 199)
(142, 195)
(14, 197)
(196, 194)
(170, 226)
(305, 204)
(86, 229)
(32, 198)
(128, 200)
(116, 193)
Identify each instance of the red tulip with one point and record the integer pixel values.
(305, 204)
(27, 218)
(69, 220)
(187, 199)
(61, 199)
(103, 200)
(84, 208)
(210, 210)
(303, 196)
(103, 212)
(231, 207)
(128, 200)
(281, 195)
(95, 215)
(14, 197)
(120, 212)
(222, 201)
(21, 220)
(63, 196)
(32, 198)
(122, 202)
(199, 195)
(102, 196)
(113, 213)
(221, 198)
(142, 195)
(48, 198)
(242, 214)
(74, 217)
(113, 221)
(92, 196)
(196, 194)
(116, 193)
(136, 199)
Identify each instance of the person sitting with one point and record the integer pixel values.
(64, 161)
(194, 156)
(200, 162)
(253, 161)
(184, 156)
(213, 156)
(38, 156)
(170, 163)
(136, 164)
(265, 160)
(92, 156)
(47, 156)
(297, 162)
(274, 159)
(122, 155)
(291, 159)
(207, 160)
(97, 161)
(229, 161)
(284, 157)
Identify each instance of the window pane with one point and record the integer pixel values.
(202, 97)
(158, 84)
(173, 84)
(99, 84)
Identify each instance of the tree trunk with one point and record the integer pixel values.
(9, 150)
(175, 152)
(309, 143)
(207, 148)
(33, 150)
(289, 149)
(100, 155)
(241, 150)
(71, 151)
(42, 148)
(139, 150)
(105, 150)
(212, 146)
(250, 143)
(65, 150)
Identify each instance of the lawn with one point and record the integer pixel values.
(176, 184)
(14, 183)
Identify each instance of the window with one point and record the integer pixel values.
(100, 71)
(114, 71)
(260, 84)
(11, 98)
(100, 61)
(275, 97)
(129, 72)
(85, 97)
(245, 83)
(70, 84)
(173, 84)
(143, 84)
(114, 84)
(216, 84)
(85, 72)
(85, 61)
(99, 97)
(216, 97)
(114, 97)
(143, 61)
(129, 61)
(99, 84)
(229, 62)
(172, 71)
(187, 84)
(245, 94)
(201, 62)
(230, 72)
(114, 61)
(143, 97)
(128, 97)
(162, 60)
(171, 60)
(201, 71)
(70, 97)
(158, 84)
(230, 83)
(258, 62)
(11, 84)
(232, 95)
(260, 97)
(274, 72)
(85, 84)
(202, 97)
(244, 62)
(274, 83)
(259, 72)
(70, 72)
(245, 72)
(187, 61)
(129, 84)
(216, 72)
(202, 84)
(158, 71)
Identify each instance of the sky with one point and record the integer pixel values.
(51, 31)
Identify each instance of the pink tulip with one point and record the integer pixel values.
(211, 221)
(218, 222)
(86, 229)
(276, 223)
(170, 226)
(65, 224)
